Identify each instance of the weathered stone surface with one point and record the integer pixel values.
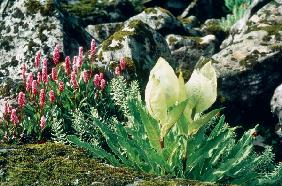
(28, 26)
(249, 68)
(187, 50)
(160, 20)
(102, 31)
(140, 45)
(276, 104)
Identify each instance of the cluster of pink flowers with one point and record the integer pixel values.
(99, 81)
(121, 67)
(92, 49)
(56, 54)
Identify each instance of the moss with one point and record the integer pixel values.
(81, 8)
(166, 11)
(250, 60)
(171, 40)
(56, 164)
(176, 182)
(276, 47)
(129, 63)
(34, 6)
(117, 36)
(150, 11)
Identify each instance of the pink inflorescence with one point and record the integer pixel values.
(80, 57)
(122, 64)
(34, 87)
(51, 96)
(73, 80)
(99, 81)
(42, 122)
(39, 77)
(14, 118)
(74, 65)
(85, 76)
(21, 99)
(54, 74)
(117, 71)
(29, 82)
(7, 108)
(42, 98)
(92, 49)
(56, 54)
(61, 86)
(37, 59)
(67, 65)
(44, 72)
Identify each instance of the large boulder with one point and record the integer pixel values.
(160, 20)
(139, 44)
(187, 50)
(249, 67)
(27, 26)
(276, 104)
(102, 31)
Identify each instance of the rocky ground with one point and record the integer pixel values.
(248, 62)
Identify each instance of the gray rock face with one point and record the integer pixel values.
(276, 103)
(26, 28)
(102, 31)
(249, 68)
(160, 20)
(140, 45)
(186, 51)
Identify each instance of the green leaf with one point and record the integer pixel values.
(195, 125)
(174, 114)
(95, 151)
(151, 127)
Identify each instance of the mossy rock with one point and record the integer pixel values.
(58, 164)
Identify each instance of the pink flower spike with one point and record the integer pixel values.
(122, 64)
(21, 99)
(23, 71)
(61, 86)
(42, 122)
(52, 96)
(29, 82)
(14, 118)
(42, 98)
(37, 59)
(101, 76)
(67, 65)
(39, 77)
(92, 48)
(74, 64)
(54, 74)
(44, 65)
(80, 57)
(117, 71)
(73, 80)
(56, 54)
(103, 84)
(44, 75)
(34, 87)
(96, 80)
(85, 75)
(7, 108)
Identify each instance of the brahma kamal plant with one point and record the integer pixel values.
(174, 135)
(47, 97)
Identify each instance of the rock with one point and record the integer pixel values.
(27, 26)
(187, 50)
(160, 20)
(102, 31)
(249, 68)
(138, 43)
(276, 104)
